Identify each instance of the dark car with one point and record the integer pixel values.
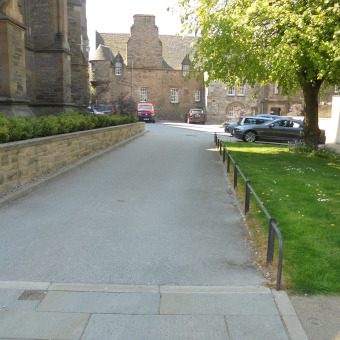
(279, 130)
(101, 109)
(108, 109)
(146, 112)
(195, 116)
(230, 126)
(269, 116)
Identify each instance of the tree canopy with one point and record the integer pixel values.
(295, 43)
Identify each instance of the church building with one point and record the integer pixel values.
(43, 56)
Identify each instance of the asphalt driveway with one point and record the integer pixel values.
(154, 211)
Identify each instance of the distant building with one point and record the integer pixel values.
(43, 56)
(147, 67)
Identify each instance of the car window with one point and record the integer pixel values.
(296, 125)
(260, 121)
(145, 108)
(196, 111)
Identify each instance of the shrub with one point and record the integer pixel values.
(4, 130)
(15, 128)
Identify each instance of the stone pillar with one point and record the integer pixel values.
(13, 94)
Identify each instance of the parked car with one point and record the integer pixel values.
(195, 116)
(106, 109)
(93, 110)
(146, 112)
(279, 130)
(230, 126)
(101, 109)
(269, 116)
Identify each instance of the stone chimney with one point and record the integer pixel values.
(144, 48)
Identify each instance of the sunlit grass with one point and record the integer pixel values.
(303, 194)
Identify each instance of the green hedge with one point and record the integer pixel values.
(14, 128)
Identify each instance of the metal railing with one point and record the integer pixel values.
(272, 220)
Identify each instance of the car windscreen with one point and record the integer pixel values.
(145, 108)
(196, 111)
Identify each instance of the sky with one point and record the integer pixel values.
(110, 16)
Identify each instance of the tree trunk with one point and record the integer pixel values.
(311, 131)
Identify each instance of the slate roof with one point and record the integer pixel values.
(175, 48)
(103, 53)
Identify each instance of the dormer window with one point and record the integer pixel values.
(186, 70)
(118, 68)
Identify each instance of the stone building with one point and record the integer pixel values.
(146, 67)
(228, 103)
(43, 56)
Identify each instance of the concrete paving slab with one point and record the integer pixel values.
(100, 302)
(169, 327)
(9, 301)
(111, 288)
(223, 303)
(256, 328)
(289, 316)
(24, 285)
(34, 325)
(214, 289)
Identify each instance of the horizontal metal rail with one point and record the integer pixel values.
(273, 229)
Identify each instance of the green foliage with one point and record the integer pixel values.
(293, 43)
(4, 130)
(15, 128)
(302, 192)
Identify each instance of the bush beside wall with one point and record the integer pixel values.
(25, 160)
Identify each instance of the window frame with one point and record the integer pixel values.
(118, 68)
(143, 94)
(185, 70)
(197, 96)
(174, 95)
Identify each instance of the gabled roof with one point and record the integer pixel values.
(175, 48)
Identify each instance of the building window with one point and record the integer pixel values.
(186, 70)
(235, 110)
(118, 67)
(93, 67)
(241, 90)
(336, 89)
(143, 94)
(174, 96)
(231, 91)
(197, 96)
(276, 90)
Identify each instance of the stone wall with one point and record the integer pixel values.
(22, 161)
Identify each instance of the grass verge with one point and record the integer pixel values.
(303, 192)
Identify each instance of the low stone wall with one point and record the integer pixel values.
(22, 161)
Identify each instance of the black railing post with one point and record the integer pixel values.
(224, 154)
(235, 174)
(271, 241)
(247, 198)
(220, 146)
(215, 137)
(228, 162)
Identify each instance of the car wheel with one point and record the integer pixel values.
(249, 137)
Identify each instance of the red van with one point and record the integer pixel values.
(146, 112)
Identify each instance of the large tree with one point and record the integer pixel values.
(295, 43)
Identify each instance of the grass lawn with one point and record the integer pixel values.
(303, 193)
